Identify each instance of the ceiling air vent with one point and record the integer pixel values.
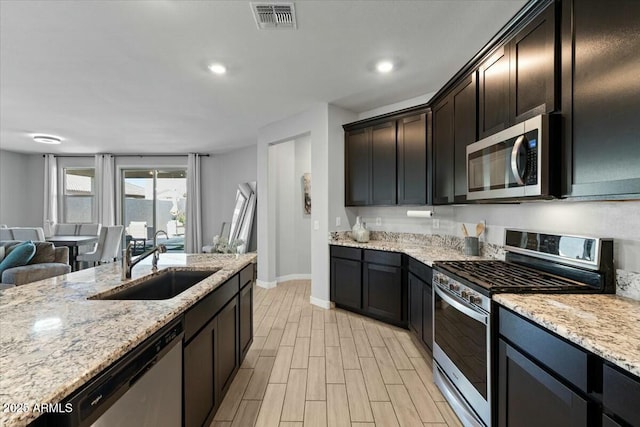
(274, 15)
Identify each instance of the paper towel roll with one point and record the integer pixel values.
(420, 214)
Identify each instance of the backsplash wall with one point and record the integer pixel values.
(617, 220)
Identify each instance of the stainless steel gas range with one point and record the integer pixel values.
(462, 307)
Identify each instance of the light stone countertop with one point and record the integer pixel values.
(425, 253)
(53, 339)
(606, 325)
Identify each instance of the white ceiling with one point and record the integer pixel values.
(131, 76)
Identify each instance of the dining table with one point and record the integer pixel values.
(72, 242)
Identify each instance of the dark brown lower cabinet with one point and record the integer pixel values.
(228, 347)
(346, 282)
(420, 302)
(246, 319)
(199, 376)
(219, 332)
(383, 291)
(530, 397)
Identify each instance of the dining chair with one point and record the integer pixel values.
(107, 247)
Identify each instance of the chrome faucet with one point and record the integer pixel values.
(128, 263)
(156, 254)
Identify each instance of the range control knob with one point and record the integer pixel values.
(454, 286)
(465, 294)
(474, 299)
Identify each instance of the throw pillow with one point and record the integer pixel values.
(20, 255)
(45, 252)
(1, 253)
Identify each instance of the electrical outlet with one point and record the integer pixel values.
(436, 223)
(338, 221)
(378, 221)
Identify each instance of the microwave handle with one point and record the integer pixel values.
(514, 159)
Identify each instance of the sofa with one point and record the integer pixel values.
(47, 262)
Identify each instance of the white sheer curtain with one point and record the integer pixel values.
(50, 217)
(193, 227)
(105, 199)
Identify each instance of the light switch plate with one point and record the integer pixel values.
(338, 221)
(378, 221)
(316, 225)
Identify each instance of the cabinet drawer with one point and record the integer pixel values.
(421, 270)
(346, 252)
(200, 314)
(621, 394)
(382, 257)
(565, 359)
(246, 275)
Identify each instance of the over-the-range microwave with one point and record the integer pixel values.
(516, 163)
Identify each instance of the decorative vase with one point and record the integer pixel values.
(363, 237)
(355, 230)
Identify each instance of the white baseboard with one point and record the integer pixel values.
(289, 277)
(321, 303)
(266, 285)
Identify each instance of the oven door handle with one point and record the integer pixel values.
(461, 307)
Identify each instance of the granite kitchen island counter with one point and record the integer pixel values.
(53, 339)
(606, 325)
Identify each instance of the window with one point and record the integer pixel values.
(154, 200)
(79, 192)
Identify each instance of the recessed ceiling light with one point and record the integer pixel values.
(218, 69)
(384, 66)
(47, 139)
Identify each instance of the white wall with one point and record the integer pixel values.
(221, 174)
(21, 189)
(288, 161)
(323, 124)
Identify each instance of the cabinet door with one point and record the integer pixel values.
(533, 65)
(442, 158)
(416, 287)
(246, 319)
(603, 130)
(465, 122)
(427, 316)
(382, 288)
(357, 167)
(227, 346)
(346, 282)
(199, 376)
(412, 160)
(524, 389)
(383, 164)
(494, 93)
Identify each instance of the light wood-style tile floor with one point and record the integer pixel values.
(313, 367)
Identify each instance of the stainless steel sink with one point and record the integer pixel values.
(167, 284)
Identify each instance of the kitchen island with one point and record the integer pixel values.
(53, 338)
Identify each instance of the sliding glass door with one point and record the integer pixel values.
(154, 200)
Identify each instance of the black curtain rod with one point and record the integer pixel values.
(127, 155)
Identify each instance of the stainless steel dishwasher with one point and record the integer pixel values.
(144, 388)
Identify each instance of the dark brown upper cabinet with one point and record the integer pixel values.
(412, 160)
(383, 164)
(357, 167)
(600, 98)
(386, 160)
(465, 118)
(454, 127)
(442, 152)
(494, 93)
(370, 165)
(519, 80)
